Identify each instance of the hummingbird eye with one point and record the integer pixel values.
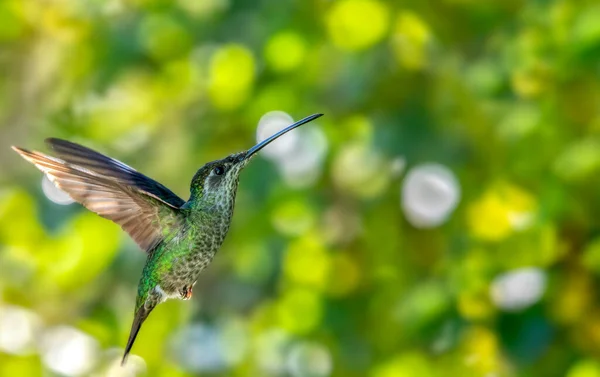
(218, 170)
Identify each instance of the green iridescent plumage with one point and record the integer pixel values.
(181, 238)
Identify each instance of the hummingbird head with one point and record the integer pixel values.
(216, 182)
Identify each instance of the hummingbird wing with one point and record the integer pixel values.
(145, 209)
(87, 158)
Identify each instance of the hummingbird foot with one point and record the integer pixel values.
(186, 292)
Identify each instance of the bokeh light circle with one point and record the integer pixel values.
(68, 351)
(271, 348)
(430, 193)
(271, 123)
(361, 171)
(231, 76)
(518, 289)
(285, 51)
(197, 348)
(135, 365)
(299, 154)
(309, 360)
(18, 329)
(355, 25)
(55, 194)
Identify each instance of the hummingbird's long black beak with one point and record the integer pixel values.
(265, 142)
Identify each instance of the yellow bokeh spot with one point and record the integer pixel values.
(575, 299)
(528, 83)
(231, 76)
(407, 365)
(472, 270)
(585, 368)
(83, 250)
(56, 22)
(488, 218)
(358, 127)
(423, 304)
(361, 171)
(519, 122)
(285, 51)
(130, 105)
(180, 82)
(293, 217)
(18, 219)
(355, 25)
(481, 350)
(500, 211)
(20, 366)
(253, 262)
(299, 311)
(307, 262)
(262, 316)
(475, 305)
(165, 369)
(410, 41)
(163, 37)
(12, 19)
(579, 160)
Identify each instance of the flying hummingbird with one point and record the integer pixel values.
(181, 238)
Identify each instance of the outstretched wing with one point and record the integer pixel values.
(87, 158)
(141, 206)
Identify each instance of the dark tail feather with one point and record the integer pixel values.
(138, 319)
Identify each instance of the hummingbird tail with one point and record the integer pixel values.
(140, 316)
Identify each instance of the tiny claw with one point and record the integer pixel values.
(186, 293)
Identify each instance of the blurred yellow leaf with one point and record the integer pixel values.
(585, 368)
(347, 26)
(307, 262)
(231, 76)
(410, 40)
(299, 310)
(500, 211)
(285, 51)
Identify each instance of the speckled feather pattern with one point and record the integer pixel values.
(179, 259)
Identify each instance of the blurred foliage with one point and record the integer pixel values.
(506, 94)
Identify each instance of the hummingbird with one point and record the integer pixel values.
(180, 237)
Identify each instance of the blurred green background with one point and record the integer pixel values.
(440, 220)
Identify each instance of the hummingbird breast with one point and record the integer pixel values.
(191, 250)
